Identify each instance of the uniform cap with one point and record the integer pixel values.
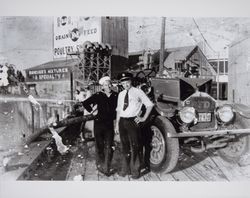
(125, 76)
(103, 79)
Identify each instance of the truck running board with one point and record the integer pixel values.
(208, 133)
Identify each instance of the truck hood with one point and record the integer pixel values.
(196, 82)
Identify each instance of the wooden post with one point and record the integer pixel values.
(71, 86)
(162, 44)
(32, 119)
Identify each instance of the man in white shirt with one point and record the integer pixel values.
(129, 105)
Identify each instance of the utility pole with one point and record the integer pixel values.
(163, 21)
(218, 76)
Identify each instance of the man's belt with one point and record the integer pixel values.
(129, 118)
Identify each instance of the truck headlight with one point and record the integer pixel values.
(225, 113)
(187, 115)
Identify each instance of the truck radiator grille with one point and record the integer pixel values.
(205, 108)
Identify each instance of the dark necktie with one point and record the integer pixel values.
(125, 102)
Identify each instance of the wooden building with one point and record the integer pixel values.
(185, 59)
(53, 79)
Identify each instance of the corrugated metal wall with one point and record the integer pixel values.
(115, 32)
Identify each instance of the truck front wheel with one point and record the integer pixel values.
(165, 151)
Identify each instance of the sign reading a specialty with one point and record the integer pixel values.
(48, 74)
(70, 32)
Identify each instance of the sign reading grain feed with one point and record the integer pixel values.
(70, 32)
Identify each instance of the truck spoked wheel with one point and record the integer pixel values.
(165, 151)
(236, 149)
(158, 146)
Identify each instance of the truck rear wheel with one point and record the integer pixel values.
(238, 147)
(165, 151)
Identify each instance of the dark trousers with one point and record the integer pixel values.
(146, 143)
(104, 138)
(130, 135)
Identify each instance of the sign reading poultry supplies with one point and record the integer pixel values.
(70, 32)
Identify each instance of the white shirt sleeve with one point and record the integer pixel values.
(144, 98)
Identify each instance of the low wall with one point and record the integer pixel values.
(19, 119)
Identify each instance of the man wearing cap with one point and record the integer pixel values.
(106, 101)
(129, 105)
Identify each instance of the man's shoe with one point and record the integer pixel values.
(145, 170)
(109, 172)
(100, 169)
(135, 176)
(122, 174)
(105, 172)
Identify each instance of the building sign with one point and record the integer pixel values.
(70, 32)
(48, 74)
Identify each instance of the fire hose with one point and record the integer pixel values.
(61, 123)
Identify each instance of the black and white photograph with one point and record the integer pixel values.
(124, 98)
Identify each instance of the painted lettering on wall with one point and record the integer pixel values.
(48, 74)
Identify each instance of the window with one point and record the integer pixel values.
(178, 66)
(223, 87)
(223, 66)
(226, 67)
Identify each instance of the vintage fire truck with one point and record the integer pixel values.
(185, 114)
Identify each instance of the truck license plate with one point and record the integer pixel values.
(204, 117)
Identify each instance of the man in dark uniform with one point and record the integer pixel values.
(129, 105)
(106, 101)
